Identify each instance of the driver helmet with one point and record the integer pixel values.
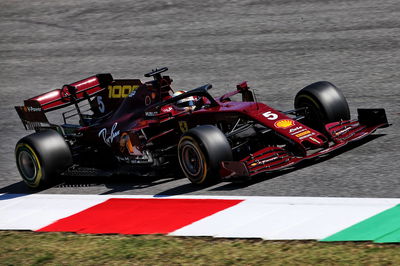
(187, 103)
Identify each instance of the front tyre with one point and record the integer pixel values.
(200, 152)
(324, 103)
(41, 157)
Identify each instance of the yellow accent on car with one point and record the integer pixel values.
(204, 161)
(285, 123)
(303, 133)
(311, 100)
(39, 174)
(183, 126)
(120, 91)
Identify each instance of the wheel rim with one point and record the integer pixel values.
(314, 116)
(191, 160)
(27, 165)
(312, 112)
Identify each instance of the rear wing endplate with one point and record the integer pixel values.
(32, 116)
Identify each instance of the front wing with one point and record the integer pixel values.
(271, 159)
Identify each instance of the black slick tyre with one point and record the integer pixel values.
(41, 157)
(200, 152)
(324, 103)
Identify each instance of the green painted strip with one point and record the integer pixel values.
(383, 227)
(393, 237)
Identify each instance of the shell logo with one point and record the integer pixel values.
(285, 123)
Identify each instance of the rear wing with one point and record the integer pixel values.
(32, 114)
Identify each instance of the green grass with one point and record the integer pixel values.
(29, 248)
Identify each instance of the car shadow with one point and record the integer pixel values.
(182, 189)
(115, 184)
(118, 184)
(138, 183)
(16, 190)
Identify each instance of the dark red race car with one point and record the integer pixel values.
(134, 128)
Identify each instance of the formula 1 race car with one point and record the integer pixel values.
(133, 128)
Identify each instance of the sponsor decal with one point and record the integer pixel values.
(296, 130)
(123, 159)
(183, 126)
(343, 131)
(34, 125)
(132, 94)
(262, 162)
(167, 109)
(121, 91)
(108, 138)
(284, 123)
(32, 109)
(133, 159)
(306, 136)
(147, 100)
(306, 132)
(151, 113)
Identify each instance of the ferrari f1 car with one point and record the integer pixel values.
(135, 128)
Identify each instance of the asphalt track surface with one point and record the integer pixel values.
(277, 46)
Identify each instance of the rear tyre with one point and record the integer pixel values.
(324, 103)
(41, 157)
(200, 152)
